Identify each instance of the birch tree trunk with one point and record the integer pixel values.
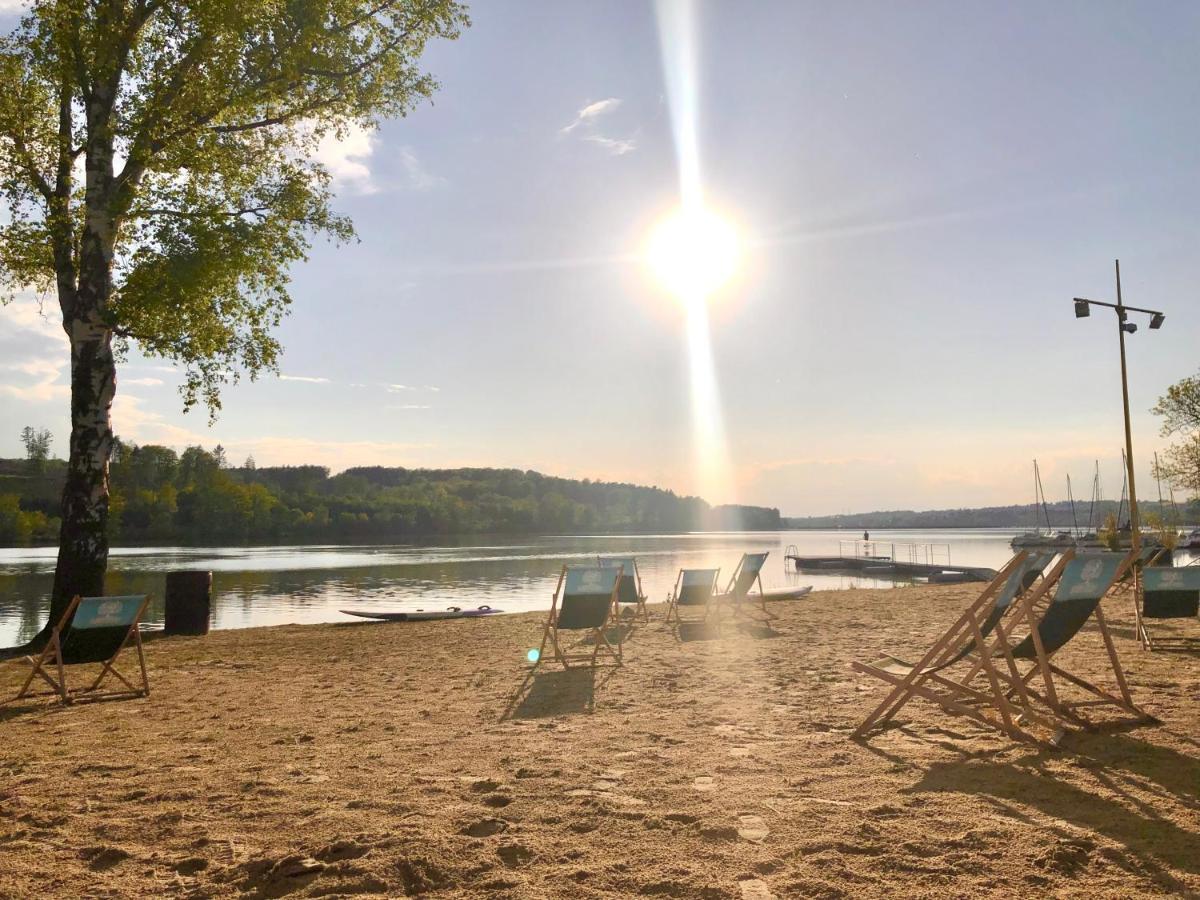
(83, 538)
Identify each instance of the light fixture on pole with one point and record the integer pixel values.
(1082, 311)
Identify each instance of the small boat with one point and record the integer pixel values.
(788, 593)
(949, 577)
(1189, 541)
(421, 615)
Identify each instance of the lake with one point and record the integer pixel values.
(275, 585)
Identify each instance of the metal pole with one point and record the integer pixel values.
(1134, 523)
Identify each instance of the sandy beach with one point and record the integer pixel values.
(409, 759)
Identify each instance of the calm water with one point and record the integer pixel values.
(275, 585)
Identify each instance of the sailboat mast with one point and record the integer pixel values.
(1041, 494)
(1071, 497)
(1158, 480)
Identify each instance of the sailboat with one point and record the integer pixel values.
(1089, 538)
(1057, 540)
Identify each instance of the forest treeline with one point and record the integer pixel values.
(161, 495)
(1061, 516)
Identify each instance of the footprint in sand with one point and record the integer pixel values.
(704, 783)
(755, 889)
(752, 828)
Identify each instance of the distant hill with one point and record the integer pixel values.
(990, 516)
(159, 495)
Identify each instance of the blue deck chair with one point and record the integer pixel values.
(92, 630)
(585, 599)
(629, 592)
(745, 576)
(962, 640)
(1168, 594)
(694, 588)
(1085, 579)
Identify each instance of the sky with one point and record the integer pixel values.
(921, 189)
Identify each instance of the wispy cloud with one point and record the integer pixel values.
(585, 126)
(143, 382)
(410, 406)
(615, 146)
(590, 112)
(416, 176)
(307, 379)
(34, 354)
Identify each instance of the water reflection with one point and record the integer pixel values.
(275, 585)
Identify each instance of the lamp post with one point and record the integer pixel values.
(1124, 326)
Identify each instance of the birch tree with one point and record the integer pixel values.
(156, 169)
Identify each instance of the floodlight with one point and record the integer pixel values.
(1156, 320)
(1130, 327)
(1083, 309)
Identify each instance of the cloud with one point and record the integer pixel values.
(404, 388)
(585, 126)
(347, 157)
(34, 353)
(615, 146)
(416, 176)
(307, 379)
(410, 406)
(136, 424)
(142, 382)
(7, 6)
(590, 112)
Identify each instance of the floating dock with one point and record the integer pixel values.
(897, 562)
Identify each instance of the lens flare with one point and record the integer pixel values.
(693, 252)
(533, 656)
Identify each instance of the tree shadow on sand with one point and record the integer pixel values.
(1151, 811)
(556, 692)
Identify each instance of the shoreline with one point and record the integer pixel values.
(390, 759)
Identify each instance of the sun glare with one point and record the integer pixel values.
(693, 253)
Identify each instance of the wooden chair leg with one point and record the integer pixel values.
(142, 664)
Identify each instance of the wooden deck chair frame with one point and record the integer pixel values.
(640, 613)
(1151, 642)
(736, 603)
(600, 641)
(959, 697)
(1031, 612)
(52, 655)
(673, 604)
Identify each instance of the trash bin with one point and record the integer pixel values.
(188, 602)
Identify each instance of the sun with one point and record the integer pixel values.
(693, 253)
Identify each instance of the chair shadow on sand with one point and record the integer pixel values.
(556, 692)
(1167, 780)
(686, 632)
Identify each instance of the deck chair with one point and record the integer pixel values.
(737, 593)
(1084, 581)
(1168, 594)
(92, 630)
(585, 599)
(629, 592)
(962, 640)
(693, 587)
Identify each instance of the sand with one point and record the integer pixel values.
(407, 759)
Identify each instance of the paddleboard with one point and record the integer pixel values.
(422, 615)
(789, 593)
